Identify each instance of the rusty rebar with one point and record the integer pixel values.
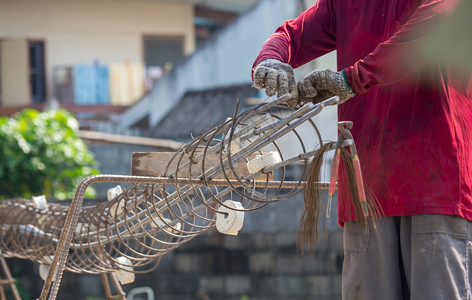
(155, 215)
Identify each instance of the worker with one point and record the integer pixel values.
(413, 129)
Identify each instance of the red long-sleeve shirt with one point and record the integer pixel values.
(412, 118)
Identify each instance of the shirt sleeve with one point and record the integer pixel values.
(300, 40)
(398, 57)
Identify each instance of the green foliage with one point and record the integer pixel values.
(40, 153)
(25, 295)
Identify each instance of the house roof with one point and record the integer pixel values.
(200, 111)
(238, 6)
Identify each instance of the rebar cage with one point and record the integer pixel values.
(239, 166)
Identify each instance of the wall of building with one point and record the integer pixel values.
(109, 31)
(15, 87)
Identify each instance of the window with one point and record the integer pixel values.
(162, 51)
(37, 74)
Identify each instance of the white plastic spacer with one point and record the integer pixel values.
(262, 161)
(84, 228)
(113, 192)
(43, 271)
(163, 224)
(40, 202)
(44, 268)
(229, 220)
(125, 274)
(116, 207)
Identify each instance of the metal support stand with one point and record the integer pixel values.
(10, 281)
(108, 292)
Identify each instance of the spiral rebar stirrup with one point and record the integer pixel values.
(154, 215)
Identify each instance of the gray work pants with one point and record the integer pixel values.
(410, 257)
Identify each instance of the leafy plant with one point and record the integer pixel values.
(25, 295)
(40, 153)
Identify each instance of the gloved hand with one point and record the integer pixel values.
(276, 76)
(320, 85)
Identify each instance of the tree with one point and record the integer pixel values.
(40, 153)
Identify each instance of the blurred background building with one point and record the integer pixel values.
(166, 70)
(99, 52)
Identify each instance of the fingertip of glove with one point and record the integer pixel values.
(257, 86)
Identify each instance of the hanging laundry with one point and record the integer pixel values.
(119, 90)
(126, 83)
(103, 84)
(84, 84)
(136, 81)
(91, 84)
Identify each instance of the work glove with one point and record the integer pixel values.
(276, 77)
(320, 85)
